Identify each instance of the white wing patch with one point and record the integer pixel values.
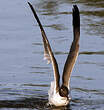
(47, 57)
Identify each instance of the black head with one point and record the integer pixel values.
(63, 91)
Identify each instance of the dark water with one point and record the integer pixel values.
(24, 76)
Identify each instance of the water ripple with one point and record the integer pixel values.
(92, 53)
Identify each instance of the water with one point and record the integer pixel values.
(24, 76)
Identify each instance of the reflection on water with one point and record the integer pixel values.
(57, 26)
(37, 103)
(91, 53)
(24, 76)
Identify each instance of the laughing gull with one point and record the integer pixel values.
(59, 94)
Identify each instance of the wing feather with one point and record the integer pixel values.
(48, 54)
(73, 53)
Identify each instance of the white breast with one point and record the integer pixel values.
(55, 98)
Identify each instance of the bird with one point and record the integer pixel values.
(59, 94)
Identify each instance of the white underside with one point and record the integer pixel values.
(55, 98)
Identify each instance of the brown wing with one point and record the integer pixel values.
(73, 53)
(48, 54)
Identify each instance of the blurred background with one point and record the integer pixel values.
(25, 77)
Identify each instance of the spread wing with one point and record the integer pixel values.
(48, 54)
(73, 53)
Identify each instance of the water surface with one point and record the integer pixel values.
(24, 75)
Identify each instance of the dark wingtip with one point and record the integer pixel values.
(76, 16)
(29, 3)
(31, 7)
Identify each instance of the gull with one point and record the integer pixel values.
(59, 94)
